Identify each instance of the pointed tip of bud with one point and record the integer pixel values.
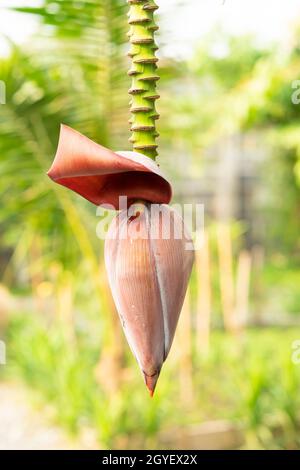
(151, 381)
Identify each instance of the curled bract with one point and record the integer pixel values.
(101, 175)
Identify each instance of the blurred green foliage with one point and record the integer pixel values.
(55, 81)
(252, 382)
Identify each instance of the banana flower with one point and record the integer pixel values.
(146, 256)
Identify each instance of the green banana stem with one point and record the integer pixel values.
(144, 76)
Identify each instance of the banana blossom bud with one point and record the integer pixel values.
(148, 253)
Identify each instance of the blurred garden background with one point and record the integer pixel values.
(230, 139)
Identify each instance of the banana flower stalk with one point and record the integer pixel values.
(148, 254)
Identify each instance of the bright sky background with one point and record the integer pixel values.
(184, 22)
